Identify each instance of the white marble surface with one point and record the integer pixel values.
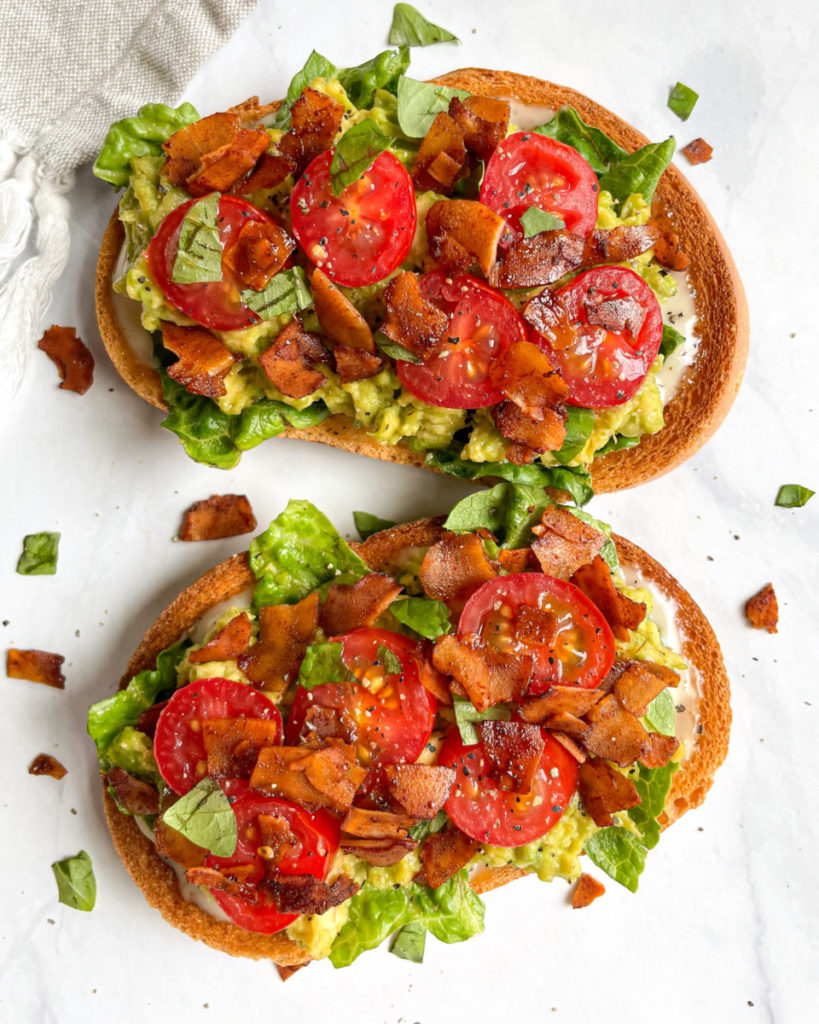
(724, 927)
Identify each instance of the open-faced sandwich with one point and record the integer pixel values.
(487, 274)
(318, 745)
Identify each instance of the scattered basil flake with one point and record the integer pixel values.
(466, 715)
(425, 617)
(661, 713)
(535, 221)
(671, 340)
(199, 252)
(793, 496)
(409, 27)
(76, 885)
(394, 350)
(421, 829)
(204, 816)
(652, 786)
(355, 152)
(619, 853)
(367, 524)
(681, 100)
(388, 660)
(287, 292)
(409, 941)
(323, 663)
(579, 426)
(419, 103)
(39, 556)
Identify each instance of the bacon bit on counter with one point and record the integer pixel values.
(420, 789)
(487, 676)
(621, 613)
(411, 320)
(443, 854)
(232, 745)
(483, 122)
(573, 700)
(371, 824)
(135, 795)
(462, 232)
(223, 167)
(441, 159)
(260, 251)
(47, 764)
(36, 667)
(314, 122)
(339, 318)
(762, 610)
(175, 846)
(542, 259)
(604, 790)
(288, 970)
(203, 361)
(586, 891)
(306, 894)
(355, 363)
(563, 542)
(327, 776)
(698, 151)
(71, 357)
(351, 606)
(290, 362)
(454, 568)
(285, 630)
(514, 750)
(640, 683)
(231, 641)
(381, 852)
(220, 515)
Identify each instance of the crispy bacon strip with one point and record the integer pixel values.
(762, 610)
(269, 172)
(698, 151)
(381, 852)
(221, 168)
(542, 259)
(615, 314)
(260, 251)
(232, 745)
(514, 750)
(487, 676)
(203, 361)
(250, 111)
(351, 606)
(135, 795)
(47, 764)
(369, 824)
(74, 362)
(443, 854)
(462, 232)
(220, 515)
(614, 245)
(640, 683)
(604, 790)
(621, 613)
(305, 894)
(314, 121)
(186, 147)
(517, 560)
(420, 789)
(290, 362)
(411, 320)
(483, 122)
(527, 378)
(35, 666)
(285, 630)
(147, 720)
(615, 733)
(563, 542)
(441, 159)
(586, 891)
(574, 700)
(544, 435)
(454, 568)
(339, 318)
(324, 777)
(231, 641)
(569, 744)
(660, 750)
(355, 363)
(176, 847)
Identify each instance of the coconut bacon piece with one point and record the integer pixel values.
(420, 789)
(762, 610)
(563, 542)
(47, 764)
(291, 362)
(698, 151)
(259, 253)
(604, 790)
(483, 122)
(514, 750)
(203, 361)
(615, 733)
(487, 676)
(573, 700)
(381, 852)
(411, 320)
(443, 854)
(454, 568)
(526, 377)
(542, 259)
(462, 232)
(221, 168)
(324, 777)
(614, 245)
(135, 795)
(339, 318)
(370, 824)
(586, 891)
(220, 515)
(546, 434)
(285, 630)
(441, 158)
(351, 606)
(306, 894)
(232, 745)
(355, 363)
(186, 147)
(640, 683)
(231, 641)
(314, 121)
(621, 613)
(35, 666)
(74, 362)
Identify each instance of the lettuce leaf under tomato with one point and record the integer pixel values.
(142, 135)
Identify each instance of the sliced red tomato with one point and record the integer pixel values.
(363, 234)
(603, 367)
(528, 169)
(215, 304)
(318, 838)
(178, 745)
(492, 815)
(388, 716)
(551, 619)
(482, 325)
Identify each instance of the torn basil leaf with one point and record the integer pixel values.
(205, 817)
(357, 148)
(389, 661)
(287, 292)
(419, 103)
(409, 27)
(199, 252)
(671, 340)
(323, 663)
(793, 496)
(681, 100)
(367, 524)
(409, 941)
(535, 221)
(393, 349)
(76, 885)
(661, 713)
(39, 556)
(466, 715)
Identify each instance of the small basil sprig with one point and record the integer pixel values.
(39, 557)
(76, 885)
(661, 713)
(535, 221)
(409, 942)
(287, 292)
(357, 148)
(199, 253)
(793, 496)
(393, 349)
(409, 27)
(205, 817)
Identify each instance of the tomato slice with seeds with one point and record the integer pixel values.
(528, 169)
(551, 619)
(388, 717)
(318, 836)
(178, 745)
(604, 367)
(492, 815)
(215, 304)
(362, 235)
(482, 325)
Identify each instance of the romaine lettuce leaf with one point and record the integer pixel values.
(323, 663)
(423, 616)
(574, 479)
(367, 524)
(619, 853)
(467, 715)
(652, 786)
(286, 292)
(142, 135)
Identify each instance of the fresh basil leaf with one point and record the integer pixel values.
(142, 135)
(76, 885)
(300, 550)
(681, 100)
(315, 66)
(204, 816)
(595, 146)
(421, 829)
(793, 496)
(323, 663)
(409, 942)
(393, 349)
(608, 552)
(410, 27)
(652, 785)
(639, 171)
(39, 556)
(133, 751)
(383, 72)
(619, 853)
(618, 443)
(419, 103)
(357, 148)
(367, 524)
(267, 417)
(388, 660)
(671, 340)
(199, 252)
(535, 221)
(579, 425)
(423, 616)
(661, 713)
(466, 715)
(285, 293)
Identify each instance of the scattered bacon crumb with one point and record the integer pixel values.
(71, 357)
(220, 515)
(667, 251)
(621, 613)
(339, 318)
(250, 111)
(134, 794)
(411, 320)
(429, 676)
(420, 789)
(762, 610)
(203, 361)
(614, 314)
(351, 606)
(288, 970)
(231, 641)
(278, 840)
(487, 676)
(445, 853)
(259, 253)
(147, 720)
(604, 790)
(586, 891)
(36, 667)
(46, 764)
(441, 157)
(285, 630)
(517, 560)
(291, 361)
(355, 363)
(483, 122)
(454, 568)
(563, 542)
(569, 744)
(698, 151)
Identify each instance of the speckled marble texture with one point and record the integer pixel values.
(724, 927)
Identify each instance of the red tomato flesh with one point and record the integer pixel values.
(498, 817)
(528, 169)
(178, 745)
(482, 325)
(215, 304)
(551, 619)
(389, 716)
(362, 235)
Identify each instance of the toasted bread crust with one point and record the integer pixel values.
(158, 881)
(707, 390)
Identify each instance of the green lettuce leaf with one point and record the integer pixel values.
(574, 479)
(142, 135)
(410, 27)
(286, 292)
(467, 715)
(367, 524)
(652, 786)
(383, 71)
(427, 618)
(39, 556)
(639, 171)
(199, 254)
(617, 444)
(579, 425)
(535, 221)
(204, 816)
(357, 148)
(323, 664)
(608, 552)
(671, 340)
(133, 751)
(661, 713)
(681, 100)
(507, 510)
(268, 417)
(76, 885)
(300, 550)
(793, 496)
(595, 146)
(419, 103)
(619, 853)
(409, 942)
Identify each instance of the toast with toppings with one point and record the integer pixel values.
(406, 710)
